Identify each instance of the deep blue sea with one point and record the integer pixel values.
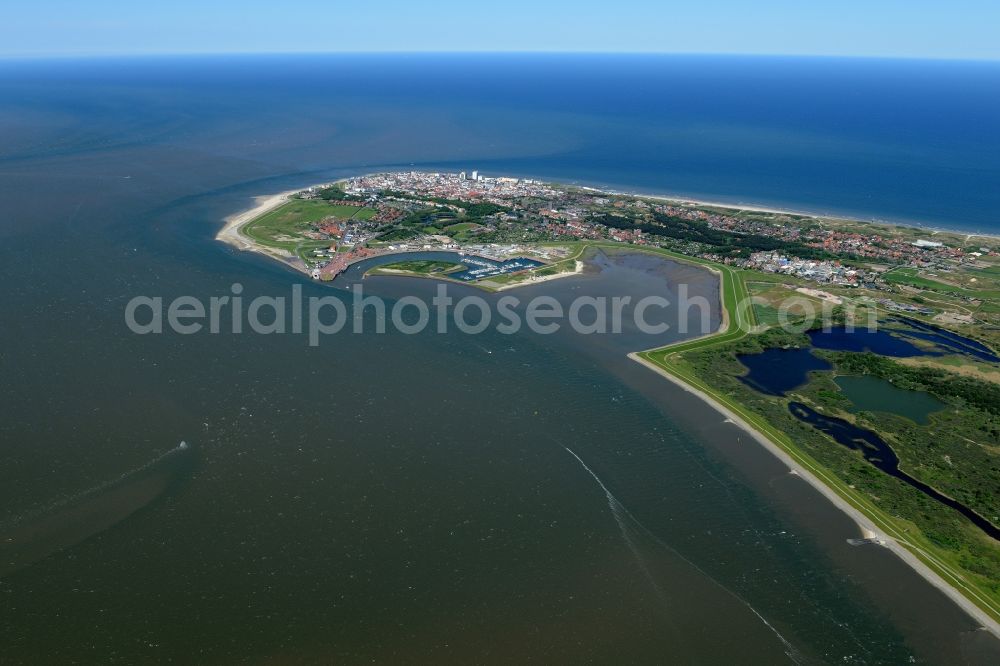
(430, 498)
(900, 140)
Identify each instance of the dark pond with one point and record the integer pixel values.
(900, 343)
(777, 371)
(881, 455)
(952, 342)
(878, 341)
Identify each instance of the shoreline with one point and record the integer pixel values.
(866, 526)
(231, 235)
(231, 232)
(776, 210)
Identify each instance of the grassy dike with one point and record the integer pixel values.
(939, 567)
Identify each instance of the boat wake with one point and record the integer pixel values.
(630, 528)
(67, 521)
(84, 494)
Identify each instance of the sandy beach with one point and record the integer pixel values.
(756, 208)
(231, 233)
(865, 526)
(776, 210)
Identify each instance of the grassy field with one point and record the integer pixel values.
(980, 284)
(420, 267)
(910, 277)
(461, 226)
(285, 226)
(360, 213)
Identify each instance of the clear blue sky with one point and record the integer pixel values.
(894, 28)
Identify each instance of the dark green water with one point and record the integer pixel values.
(877, 395)
(379, 498)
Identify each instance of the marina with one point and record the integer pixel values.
(481, 267)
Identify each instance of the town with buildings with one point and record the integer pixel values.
(325, 229)
(531, 210)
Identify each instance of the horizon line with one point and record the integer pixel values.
(360, 52)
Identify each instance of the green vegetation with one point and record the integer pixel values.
(398, 235)
(293, 227)
(335, 193)
(461, 226)
(910, 276)
(473, 210)
(463, 232)
(420, 267)
(694, 231)
(349, 212)
(421, 221)
(286, 226)
(941, 383)
(956, 452)
(970, 292)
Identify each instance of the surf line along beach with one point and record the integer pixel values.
(870, 526)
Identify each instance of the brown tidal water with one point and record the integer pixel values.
(658, 492)
(388, 498)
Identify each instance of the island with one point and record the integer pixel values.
(899, 427)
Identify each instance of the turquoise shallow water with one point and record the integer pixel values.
(387, 497)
